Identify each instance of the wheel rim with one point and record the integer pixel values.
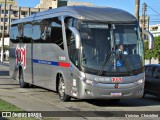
(61, 88)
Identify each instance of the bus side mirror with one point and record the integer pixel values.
(151, 39)
(77, 37)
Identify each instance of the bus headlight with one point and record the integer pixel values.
(140, 81)
(89, 82)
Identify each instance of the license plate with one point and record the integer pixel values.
(116, 94)
(116, 79)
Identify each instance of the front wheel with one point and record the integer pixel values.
(21, 80)
(61, 90)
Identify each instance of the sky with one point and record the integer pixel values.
(153, 9)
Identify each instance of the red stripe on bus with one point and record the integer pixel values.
(63, 64)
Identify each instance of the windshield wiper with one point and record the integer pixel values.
(105, 61)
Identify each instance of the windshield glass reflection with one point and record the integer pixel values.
(111, 49)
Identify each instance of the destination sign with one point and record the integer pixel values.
(92, 25)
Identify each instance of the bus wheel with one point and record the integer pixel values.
(61, 90)
(21, 79)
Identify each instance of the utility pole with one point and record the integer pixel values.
(3, 32)
(144, 16)
(10, 6)
(137, 2)
(19, 11)
(0, 20)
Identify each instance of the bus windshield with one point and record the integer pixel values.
(111, 49)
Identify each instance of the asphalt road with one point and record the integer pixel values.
(39, 99)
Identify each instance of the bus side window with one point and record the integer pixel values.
(14, 34)
(36, 34)
(27, 33)
(20, 33)
(52, 31)
(72, 51)
(45, 31)
(56, 32)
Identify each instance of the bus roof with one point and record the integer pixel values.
(105, 14)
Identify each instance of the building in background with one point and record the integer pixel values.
(75, 3)
(47, 4)
(13, 13)
(155, 30)
(58, 3)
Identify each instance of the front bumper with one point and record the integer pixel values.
(104, 91)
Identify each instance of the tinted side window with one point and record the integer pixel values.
(56, 32)
(27, 33)
(71, 22)
(156, 73)
(36, 34)
(52, 31)
(148, 71)
(14, 34)
(72, 51)
(46, 31)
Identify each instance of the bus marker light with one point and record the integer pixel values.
(74, 82)
(74, 93)
(64, 64)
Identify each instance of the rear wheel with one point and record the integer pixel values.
(21, 80)
(61, 90)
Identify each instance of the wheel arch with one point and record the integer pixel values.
(59, 73)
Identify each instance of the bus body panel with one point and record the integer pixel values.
(46, 64)
(13, 68)
(74, 81)
(109, 80)
(105, 93)
(129, 88)
(27, 62)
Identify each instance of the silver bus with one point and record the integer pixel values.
(80, 52)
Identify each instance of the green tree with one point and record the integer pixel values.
(154, 53)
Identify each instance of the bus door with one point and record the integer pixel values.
(73, 56)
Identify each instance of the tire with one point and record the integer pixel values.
(21, 80)
(61, 90)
